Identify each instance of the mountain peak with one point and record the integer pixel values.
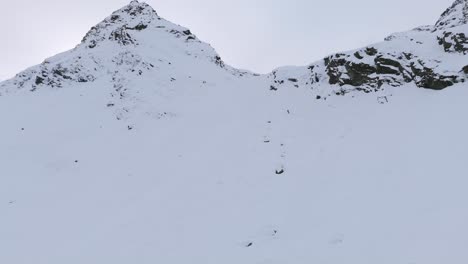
(136, 8)
(454, 16)
(134, 16)
(132, 41)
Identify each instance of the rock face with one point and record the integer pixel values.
(394, 69)
(452, 28)
(454, 42)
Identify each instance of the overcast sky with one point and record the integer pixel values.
(258, 35)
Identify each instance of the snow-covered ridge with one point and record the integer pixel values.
(432, 57)
(135, 39)
(454, 16)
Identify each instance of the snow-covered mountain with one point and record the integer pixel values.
(140, 145)
(136, 39)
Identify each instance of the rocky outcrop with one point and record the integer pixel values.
(465, 69)
(454, 42)
(374, 69)
(56, 75)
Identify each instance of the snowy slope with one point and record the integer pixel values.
(141, 146)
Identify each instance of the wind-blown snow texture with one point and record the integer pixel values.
(141, 146)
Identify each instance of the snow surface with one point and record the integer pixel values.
(163, 154)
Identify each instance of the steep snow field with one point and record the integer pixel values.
(151, 150)
(363, 182)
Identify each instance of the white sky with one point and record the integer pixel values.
(258, 35)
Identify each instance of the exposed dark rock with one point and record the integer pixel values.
(39, 80)
(92, 44)
(454, 42)
(430, 80)
(83, 80)
(139, 27)
(114, 18)
(358, 55)
(371, 51)
(61, 72)
(122, 36)
(388, 66)
(465, 69)
(333, 69)
(391, 69)
(356, 74)
(218, 61)
(408, 56)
